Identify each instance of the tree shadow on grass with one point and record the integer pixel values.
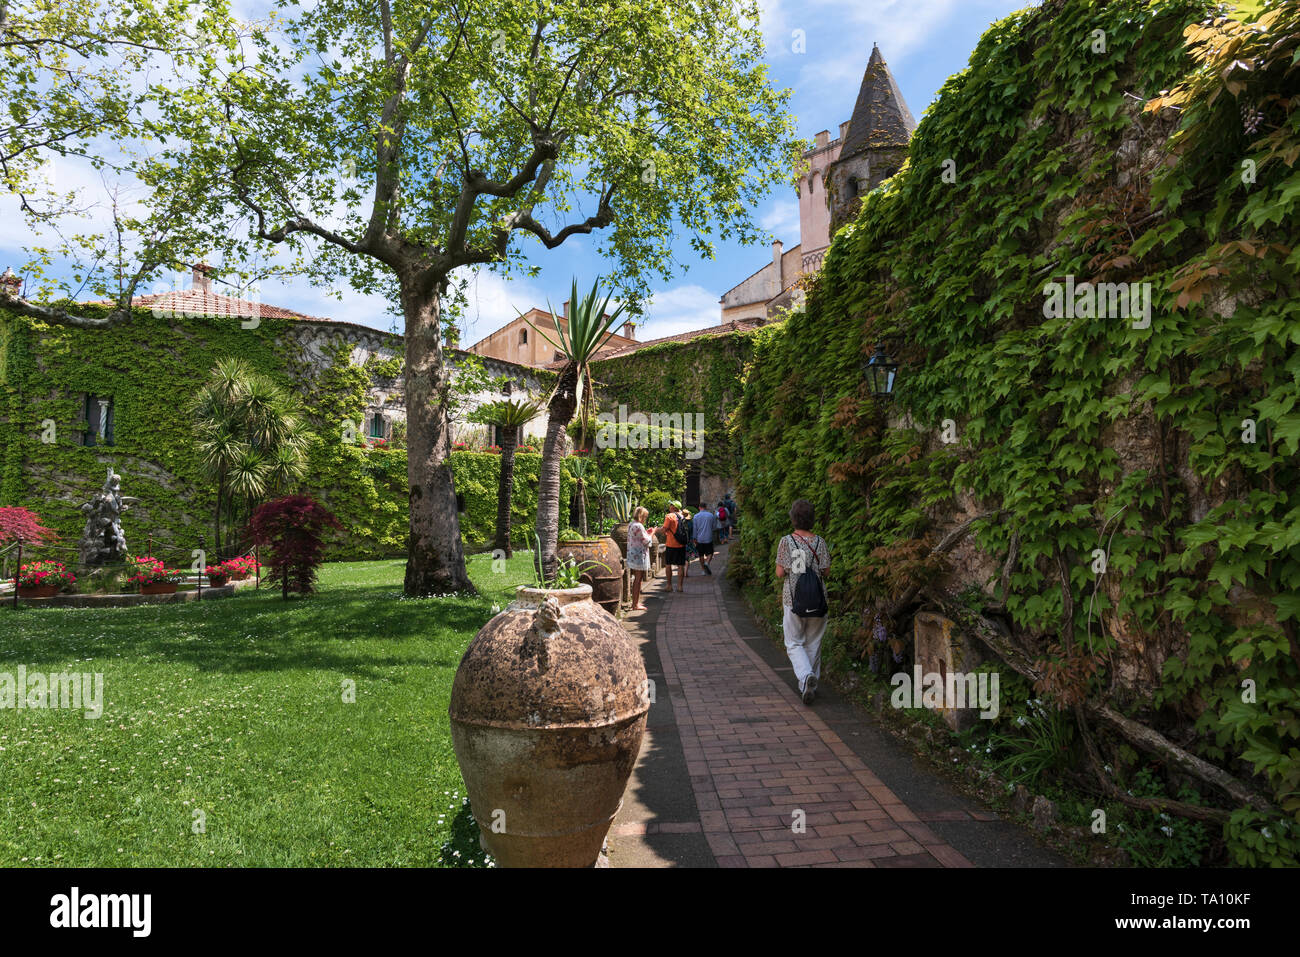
(364, 631)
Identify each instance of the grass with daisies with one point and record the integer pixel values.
(225, 737)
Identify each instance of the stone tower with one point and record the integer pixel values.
(874, 144)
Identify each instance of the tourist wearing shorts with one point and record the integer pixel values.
(675, 552)
(801, 550)
(702, 528)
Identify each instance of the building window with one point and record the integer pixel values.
(853, 186)
(523, 337)
(377, 425)
(99, 421)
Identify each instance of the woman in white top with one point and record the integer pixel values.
(799, 551)
(638, 552)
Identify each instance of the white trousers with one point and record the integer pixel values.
(803, 643)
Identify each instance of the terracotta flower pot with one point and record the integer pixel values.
(37, 591)
(216, 581)
(619, 534)
(604, 573)
(158, 588)
(547, 711)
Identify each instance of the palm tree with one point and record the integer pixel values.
(509, 415)
(251, 437)
(588, 329)
(602, 486)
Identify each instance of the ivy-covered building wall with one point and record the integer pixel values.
(1116, 491)
(700, 376)
(147, 373)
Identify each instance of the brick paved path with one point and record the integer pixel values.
(756, 756)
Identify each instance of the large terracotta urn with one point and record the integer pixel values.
(547, 711)
(619, 534)
(602, 568)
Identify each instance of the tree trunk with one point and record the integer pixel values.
(506, 487)
(582, 506)
(216, 516)
(435, 557)
(560, 412)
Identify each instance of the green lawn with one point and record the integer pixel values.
(235, 708)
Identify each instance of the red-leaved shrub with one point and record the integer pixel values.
(22, 524)
(291, 528)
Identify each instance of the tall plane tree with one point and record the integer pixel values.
(393, 143)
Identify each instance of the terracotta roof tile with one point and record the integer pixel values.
(734, 325)
(195, 302)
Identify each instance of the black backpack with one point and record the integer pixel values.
(809, 597)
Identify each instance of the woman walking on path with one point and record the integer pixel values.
(638, 552)
(798, 552)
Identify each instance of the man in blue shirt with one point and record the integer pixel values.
(702, 528)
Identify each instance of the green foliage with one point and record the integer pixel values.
(1156, 839)
(1084, 432)
(251, 438)
(656, 503)
(701, 376)
(476, 475)
(1039, 743)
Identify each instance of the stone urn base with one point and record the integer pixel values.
(548, 708)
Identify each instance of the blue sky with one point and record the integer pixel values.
(923, 41)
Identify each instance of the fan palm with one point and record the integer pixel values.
(577, 340)
(509, 415)
(251, 439)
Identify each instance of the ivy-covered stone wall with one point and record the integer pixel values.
(1130, 477)
(701, 376)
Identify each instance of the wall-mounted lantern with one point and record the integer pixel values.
(880, 371)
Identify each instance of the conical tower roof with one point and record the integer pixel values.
(881, 119)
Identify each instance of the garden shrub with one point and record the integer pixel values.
(291, 529)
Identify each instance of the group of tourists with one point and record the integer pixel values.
(802, 558)
(687, 538)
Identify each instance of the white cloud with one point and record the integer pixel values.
(679, 309)
(494, 300)
(782, 220)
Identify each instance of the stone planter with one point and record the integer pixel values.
(548, 707)
(603, 571)
(38, 591)
(159, 588)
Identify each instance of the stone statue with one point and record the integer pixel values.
(103, 540)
